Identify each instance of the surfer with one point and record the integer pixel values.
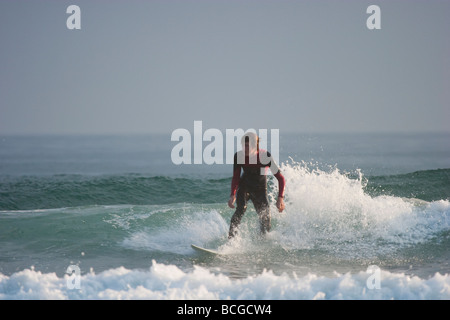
(252, 185)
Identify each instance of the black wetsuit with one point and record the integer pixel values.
(252, 185)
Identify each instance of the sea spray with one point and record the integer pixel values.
(330, 210)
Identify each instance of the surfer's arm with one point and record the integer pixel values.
(277, 173)
(235, 180)
(267, 157)
(234, 186)
(281, 184)
(236, 175)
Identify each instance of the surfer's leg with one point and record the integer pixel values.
(241, 206)
(261, 204)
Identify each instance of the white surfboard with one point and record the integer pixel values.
(200, 249)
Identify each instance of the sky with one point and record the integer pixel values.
(155, 66)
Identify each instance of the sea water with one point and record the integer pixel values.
(360, 210)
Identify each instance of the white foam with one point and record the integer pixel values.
(169, 282)
(197, 227)
(329, 210)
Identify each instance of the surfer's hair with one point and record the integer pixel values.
(252, 138)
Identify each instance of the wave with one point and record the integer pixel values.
(332, 211)
(45, 192)
(319, 248)
(58, 191)
(325, 210)
(428, 185)
(170, 282)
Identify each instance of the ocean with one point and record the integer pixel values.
(111, 217)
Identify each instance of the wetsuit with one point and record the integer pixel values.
(253, 185)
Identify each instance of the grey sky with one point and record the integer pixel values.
(154, 66)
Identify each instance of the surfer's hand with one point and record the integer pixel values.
(280, 204)
(231, 202)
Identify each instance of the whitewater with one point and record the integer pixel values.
(162, 281)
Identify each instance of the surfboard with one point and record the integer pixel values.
(204, 250)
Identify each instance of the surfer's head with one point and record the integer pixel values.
(250, 142)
